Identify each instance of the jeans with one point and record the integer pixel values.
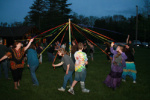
(50, 57)
(5, 68)
(66, 78)
(33, 75)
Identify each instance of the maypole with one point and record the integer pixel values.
(70, 37)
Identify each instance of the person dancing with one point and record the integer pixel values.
(16, 54)
(114, 78)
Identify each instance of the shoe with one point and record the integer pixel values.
(69, 86)
(123, 80)
(85, 90)
(35, 85)
(134, 81)
(8, 78)
(71, 91)
(61, 89)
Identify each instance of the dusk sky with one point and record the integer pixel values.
(16, 10)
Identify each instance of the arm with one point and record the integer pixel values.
(111, 49)
(86, 62)
(56, 65)
(124, 56)
(28, 44)
(4, 57)
(67, 68)
(127, 39)
(8, 55)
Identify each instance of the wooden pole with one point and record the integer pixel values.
(69, 38)
(136, 24)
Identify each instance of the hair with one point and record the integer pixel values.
(1, 40)
(62, 50)
(107, 44)
(74, 42)
(32, 46)
(15, 43)
(122, 49)
(80, 45)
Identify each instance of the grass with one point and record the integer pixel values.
(97, 71)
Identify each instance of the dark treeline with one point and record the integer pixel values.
(46, 14)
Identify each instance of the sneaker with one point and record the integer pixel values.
(123, 80)
(71, 91)
(69, 86)
(85, 90)
(134, 81)
(61, 89)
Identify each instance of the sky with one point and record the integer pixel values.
(15, 10)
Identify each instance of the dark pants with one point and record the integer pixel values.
(17, 74)
(50, 57)
(5, 68)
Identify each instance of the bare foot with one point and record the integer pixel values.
(18, 84)
(16, 88)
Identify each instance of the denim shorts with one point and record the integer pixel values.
(80, 76)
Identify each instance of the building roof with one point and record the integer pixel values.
(14, 31)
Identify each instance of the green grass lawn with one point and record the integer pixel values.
(50, 80)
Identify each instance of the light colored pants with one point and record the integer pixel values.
(40, 59)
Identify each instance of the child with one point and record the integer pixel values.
(68, 66)
(80, 70)
(114, 78)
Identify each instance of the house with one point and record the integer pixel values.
(9, 34)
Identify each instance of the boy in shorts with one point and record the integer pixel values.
(80, 70)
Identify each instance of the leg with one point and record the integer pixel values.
(5, 67)
(33, 75)
(82, 83)
(15, 78)
(0, 69)
(66, 78)
(20, 70)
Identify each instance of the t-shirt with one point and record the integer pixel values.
(130, 47)
(73, 49)
(63, 46)
(39, 50)
(129, 54)
(51, 49)
(67, 60)
(80, 59)
(3, 50)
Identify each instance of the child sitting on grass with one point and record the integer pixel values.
(80, 69)
(68, 66)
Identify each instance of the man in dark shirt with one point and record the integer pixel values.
(3, 50)
(50, 53)
(129, 43)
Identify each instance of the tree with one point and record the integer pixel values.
(37, 12)
(57, 13)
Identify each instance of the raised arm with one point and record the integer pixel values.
(127, 40)
(111, 49)
(29, 44)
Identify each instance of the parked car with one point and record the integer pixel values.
(136, 43)
(145, 44)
